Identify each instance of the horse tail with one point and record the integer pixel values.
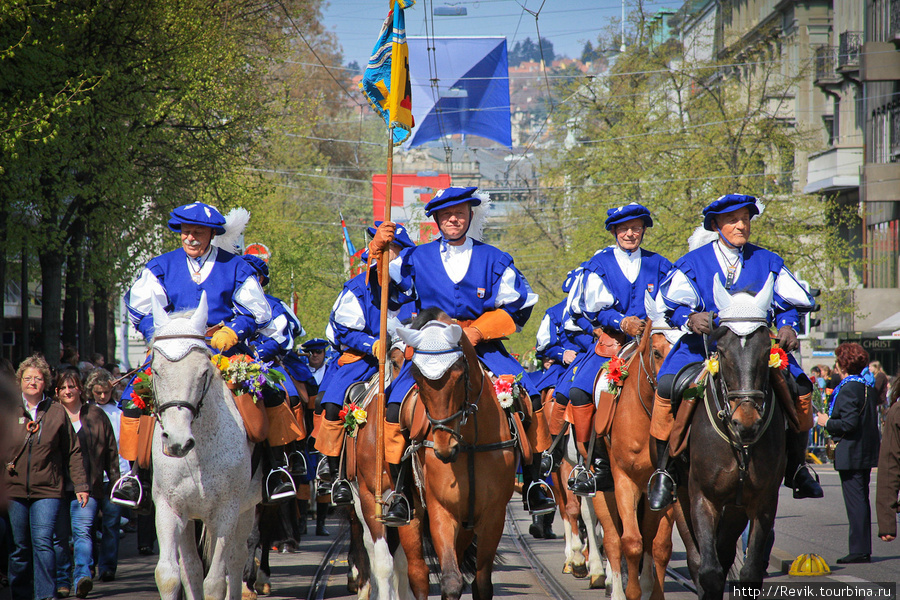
(205, 545)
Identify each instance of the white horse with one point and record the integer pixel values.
(201, 465)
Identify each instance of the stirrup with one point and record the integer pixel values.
(291, 460)
(282, 495)
(544, 511)
(330, 490)
(548, 465)
(118, 486)
(391, 497)
(581, 474)
(323, 466)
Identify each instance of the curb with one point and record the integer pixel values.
(780, 561)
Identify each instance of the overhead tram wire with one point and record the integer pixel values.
(431, 51)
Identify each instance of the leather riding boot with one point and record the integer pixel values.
(661, 487)
(128, 490)
(279, 485)
(341, 494)
(303, 508)
(796, 473)
(602, 468)
(548, 526)
(296, 461)
(536, 529)
(321, 515)
(534, 495)
(397, 512)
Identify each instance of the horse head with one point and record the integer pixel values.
(182, 374)
(743, 347)
(442, 357)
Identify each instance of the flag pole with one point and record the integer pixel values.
(384, 281)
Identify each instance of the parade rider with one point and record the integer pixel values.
(353, 327)
(690, 304)
(176, 280)
(273, 343)
(611, 297)
(479, 286)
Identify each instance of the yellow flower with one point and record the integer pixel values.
(712, 365)
(360, 415)
(220, 362)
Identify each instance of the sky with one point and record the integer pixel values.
(566, 23)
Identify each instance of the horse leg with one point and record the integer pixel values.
(711, 577)
(488, 540)
(380, 558)
(631, 542)
(444, 533)
(756, 562)
(220, 532)
(235, 555)
(357, 559)
(657, 532)
(251, 567)
(594, 543)
(416, 567)
(170, 534)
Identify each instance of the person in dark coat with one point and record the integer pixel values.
(887, 487)
(852, 421)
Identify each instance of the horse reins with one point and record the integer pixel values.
(193, 408)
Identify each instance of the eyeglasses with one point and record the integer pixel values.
(639, 229)
(317, 352)
(33, 379)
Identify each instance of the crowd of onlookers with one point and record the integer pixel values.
(59, 532)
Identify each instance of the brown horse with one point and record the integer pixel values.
(628, 530)
(737, 446)
(468, 497)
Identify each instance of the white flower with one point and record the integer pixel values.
(506, 399)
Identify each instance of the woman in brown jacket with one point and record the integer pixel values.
(887, 488)
(100, 454)
(41, 456)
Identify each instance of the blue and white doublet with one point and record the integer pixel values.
(689, 288)
(233, 294)
(553, 341)
(276, 339)
(613, 287)
(355, 325)
(465, 282)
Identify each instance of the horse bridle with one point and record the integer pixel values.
(194, 409)
(650, 374)
(468, 407)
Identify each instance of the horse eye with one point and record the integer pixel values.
(657, 354)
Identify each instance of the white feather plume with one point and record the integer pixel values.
(479, 216)
(701, 237)
(235, 223)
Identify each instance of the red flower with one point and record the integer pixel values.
(134, 396)
(782, 355)
(147, 371)
(139, 402)
(138, 380)
(343, 413)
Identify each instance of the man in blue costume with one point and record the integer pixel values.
(479, 286)
(611, 297)
(176, 280)
(690, 304)
(354, 328)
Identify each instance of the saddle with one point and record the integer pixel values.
(604, 400)
(683, 412)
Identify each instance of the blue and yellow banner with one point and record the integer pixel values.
(385, 84)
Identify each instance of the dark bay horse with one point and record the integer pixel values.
(470, 462)
(737, 446)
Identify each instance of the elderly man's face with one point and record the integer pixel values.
(317, 358)
(735, 226)
(629, 234)
(195, 239)
(453, 221)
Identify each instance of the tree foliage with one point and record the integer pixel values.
(525, 50)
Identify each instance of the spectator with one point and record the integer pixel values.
(815, 374)
(881, 381)
(100, 455)
(852, 421)
(100, 389)
(832, 379)
(43, 446)
(97, 359)
(68, 359)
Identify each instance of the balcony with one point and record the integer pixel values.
(826, 66)
(834, 170)
(848, 51)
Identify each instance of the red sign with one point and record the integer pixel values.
(421, 189)
(259, 250)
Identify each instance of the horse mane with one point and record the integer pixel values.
(427, 315)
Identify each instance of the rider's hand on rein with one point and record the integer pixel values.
(700, 322)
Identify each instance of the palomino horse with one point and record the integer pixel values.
(737, 445)
(464, 498)
(630, 529)
(201, 465)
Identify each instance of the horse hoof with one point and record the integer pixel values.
(247, 594)
(598, 582)
(263, 588)
(567, 569)
(352, 586)
(580, 571)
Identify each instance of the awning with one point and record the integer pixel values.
(893, 336)
(892, 323)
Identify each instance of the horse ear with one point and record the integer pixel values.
(198, 319)
(160, 316)
(409, 336)
(720, 294)
(764, 297)
(453, 333)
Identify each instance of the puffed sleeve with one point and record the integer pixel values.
(680, 296)
(513, 293)
(347, 323)
(790, 300)
(139, 300)
(250, 307)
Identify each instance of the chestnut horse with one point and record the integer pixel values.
(465, 498)
(737, 444)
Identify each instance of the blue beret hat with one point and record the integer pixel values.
(401, 235)
(260, 266)
(451, 197)
(620, 214)
(726, 204)
(197, 213)
(314, 344)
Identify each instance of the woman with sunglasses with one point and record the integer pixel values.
(100, 455)
(43, 457)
